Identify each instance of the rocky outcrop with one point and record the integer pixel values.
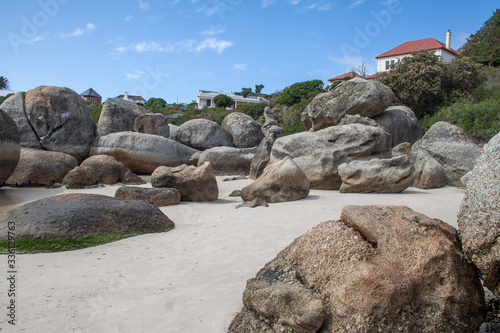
(10, 146)
(142, 152)
(77, 216)
(152, 123)
(155, 196)
(479, 215)
(263, 153)
(444, 149)
(118, 115)
(194, 183)
(246, 132)
(392, 175)
(228, 160)
(377, 269)
(320, 153)
(203, 134)
(401, 123)
(41, 167)
(54, 119)
(173, 131)
(281, 181)
(100, 169)
(356, 96)
(14, 106)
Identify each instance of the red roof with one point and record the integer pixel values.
(372, 77)
(343, 76)
(416, 45)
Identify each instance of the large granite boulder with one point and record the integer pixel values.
(14, 106)
(203, 134)
(173, 131)
(450, 147)
(41, 167)
(228, 160)
(263, 153)
(401, 123)
(118, 115)
(142, 152)
(356, 96)
(155, 196)
(152, 123)
(392, 175)
(100, 169)
(377, 269)
(194, 183)
(54, 119)
(479, 215)
(76, 216)
(320, 153)
(246, 132)
(281, 181)
(10, 146)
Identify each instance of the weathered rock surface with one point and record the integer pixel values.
(14, 106)
(378, 269)
(100, 169)
(449, 147)
(479, 215)
(393, 175)
(10, 146)
(245, 131)
(401, 123)
(152, 123)
(142, 152)
(155, 196)
(118, 115)
(281, 181)
(173, 131)
(53, 118)
(228, 160)
(194, 183)
(76, 216)
(41, 167)
(203, 134)
(320, 153)
(356, 96)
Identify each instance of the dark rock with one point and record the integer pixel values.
(152, 123)
(401, 123)
(155, 196)
(203, 134)
(14, 106)
(10, 146)
(118, 115)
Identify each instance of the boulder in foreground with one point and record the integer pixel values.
(377, 269)
(194, 183)
(479, 215)
(10, 146)
(76, 216)
(228, 160)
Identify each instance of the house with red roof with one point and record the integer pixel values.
(388, 59)
(344, 76)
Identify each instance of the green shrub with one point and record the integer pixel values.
(94, 110)
(253, 110)
(300, 91)
(290, 117)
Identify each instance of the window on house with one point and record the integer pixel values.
(387, 65)
(393, 62)
(209, 102)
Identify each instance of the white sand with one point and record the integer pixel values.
(190, 279)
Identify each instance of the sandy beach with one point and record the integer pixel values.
(190, 279)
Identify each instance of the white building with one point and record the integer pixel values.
(132, 98)
(388, 59)
(206, 99)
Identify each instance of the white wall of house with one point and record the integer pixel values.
(382, 62)
(206, 99)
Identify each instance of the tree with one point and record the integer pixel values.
(4, 83)
(156, 103)
(223, 101)
(484, 45)
(258, 88)
(360, 70)
(300, 91)
(246, 91)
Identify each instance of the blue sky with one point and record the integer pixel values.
(173, 48)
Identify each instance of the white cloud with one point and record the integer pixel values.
(214, 44)
(79, 31)
(266, 3)
(144, 5)
(357, 3)
(33, 40)
(128, 18)
(189, 45)
(240, 67)
(213, 31)
(135, 75)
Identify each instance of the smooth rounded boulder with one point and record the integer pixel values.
(40, 167)
(401, 123)
(194, 183)
(228, 160)
(155, 196)
(10, 146)
(118, 115)
(14, 106)
(281, 181)
(100, 169)
(479, 215)
(203, 134)
(377, 269)
(142, 152)
(245, 130)
(77, 216)
(357, 96)
(152, 123)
